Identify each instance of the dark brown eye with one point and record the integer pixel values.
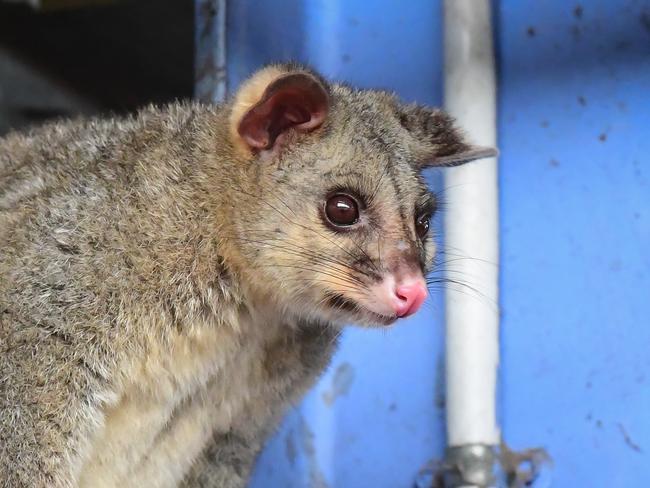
(342, 210)
(422, 226)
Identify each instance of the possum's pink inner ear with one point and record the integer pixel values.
(294, 101)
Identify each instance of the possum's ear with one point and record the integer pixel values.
(438, 141)
(272, 103)
(470, 153)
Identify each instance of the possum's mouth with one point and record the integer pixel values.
(358, 311)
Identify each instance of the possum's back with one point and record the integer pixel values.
(34, 165)
(66, 198)
(40, 175)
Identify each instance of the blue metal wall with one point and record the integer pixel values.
(575, 198)
(574, 132)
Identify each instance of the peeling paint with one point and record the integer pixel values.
(523, 468)
(578, 11)
(290, 447)
(440, 393)
(628, 440)
(316, 476)
(341, 383)
(644, 18)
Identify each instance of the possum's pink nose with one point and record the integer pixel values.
(409, 296)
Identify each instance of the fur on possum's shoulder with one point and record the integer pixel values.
(102, 187)
(112, 153)
(85, 136)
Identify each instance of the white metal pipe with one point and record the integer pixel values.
(471, 229)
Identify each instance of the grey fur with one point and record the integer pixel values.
(128, 244)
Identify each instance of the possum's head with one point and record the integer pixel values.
(336, 219)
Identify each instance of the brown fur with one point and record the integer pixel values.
(165, 292)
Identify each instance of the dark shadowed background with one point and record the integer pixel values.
(64, 57)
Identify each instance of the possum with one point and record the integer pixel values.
(172, 281)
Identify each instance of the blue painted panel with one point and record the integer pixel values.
(375, 418)
(575, 200)
(574, 114)
(387, 44)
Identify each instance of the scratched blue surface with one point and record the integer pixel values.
(575, 198)
(574, 130)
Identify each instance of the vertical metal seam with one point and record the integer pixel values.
(210, 69)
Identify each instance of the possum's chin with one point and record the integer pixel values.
(373, 320)
(344, 311)
(366, 321)
(367, 318)
(340, 311)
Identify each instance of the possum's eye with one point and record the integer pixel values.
(422, 226)
(342, 210)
